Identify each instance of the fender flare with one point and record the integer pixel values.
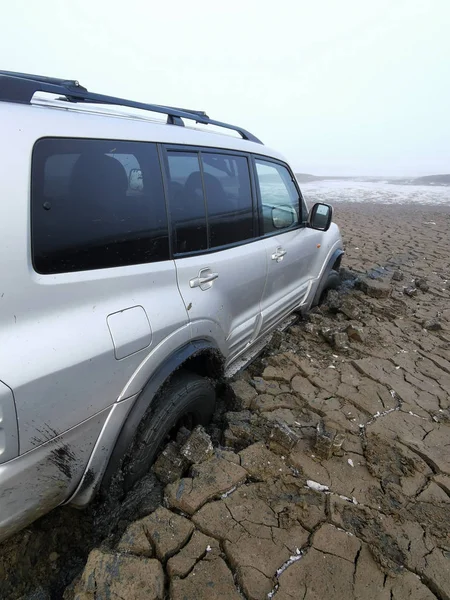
(101, 468)
(336, 257)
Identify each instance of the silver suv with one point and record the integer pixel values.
(140, 259)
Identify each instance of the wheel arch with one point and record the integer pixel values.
(333, 264)
(197, 356)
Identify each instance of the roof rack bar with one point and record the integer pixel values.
(21, 87)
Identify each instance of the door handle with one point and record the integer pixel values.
(203, 281)
(279, 254)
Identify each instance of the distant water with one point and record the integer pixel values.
(336, 190)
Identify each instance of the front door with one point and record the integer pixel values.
(291, 247)
(221, 266)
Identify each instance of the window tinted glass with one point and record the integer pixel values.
(279, 197)
(228, 198)
(187, 203)
(85, 213)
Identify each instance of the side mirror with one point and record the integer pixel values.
(320, 216)
(283, 217)
(136, 180)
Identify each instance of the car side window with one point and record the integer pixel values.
(280, 202)
(187, 202)
(228, 198)
(87, 213)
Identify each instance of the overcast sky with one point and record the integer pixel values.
(338, 86)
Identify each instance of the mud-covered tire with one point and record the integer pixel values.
(333, 281)
(186, 395)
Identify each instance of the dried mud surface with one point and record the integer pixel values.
(264, 513)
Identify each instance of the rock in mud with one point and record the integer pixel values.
(198, 447)
(110, 575)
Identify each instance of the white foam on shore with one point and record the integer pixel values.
(336, 190)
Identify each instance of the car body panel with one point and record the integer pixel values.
(231, 302)
(37, 481)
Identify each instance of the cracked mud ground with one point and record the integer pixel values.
(265, 514)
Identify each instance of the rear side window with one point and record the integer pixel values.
(228, 198)
(187, 202)
(210, 199)
(96, 204)
(279, 197)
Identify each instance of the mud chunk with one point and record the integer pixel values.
(398, 275)
(244, 393)
(432, 324)
(209, 580)
(333, 301)
(327, 333)
(350, 309)
(243, 429)
(282, 438)
(182, 435)
(375, 288)
(410, 291)
(283, 373)
(347, 275)
(111, 575)
(209, 480)
(170, 464)
(340, 341)
(422, 284)
(167, 531)
(198, 447)
(261, 463)
(383, 546)
(198, 547)
(329, 439)
(331, 540)
(317, 575)
(255, 560)
(388, 461)
(135, 541)
(311, 328)
(356, 332)
(266, 387)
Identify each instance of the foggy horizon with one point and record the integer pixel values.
(343, 89)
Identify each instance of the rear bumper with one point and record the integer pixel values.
(34, 483)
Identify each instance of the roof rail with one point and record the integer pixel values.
(21, 87)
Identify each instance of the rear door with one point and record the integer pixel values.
(221, 266)
(290, 246)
